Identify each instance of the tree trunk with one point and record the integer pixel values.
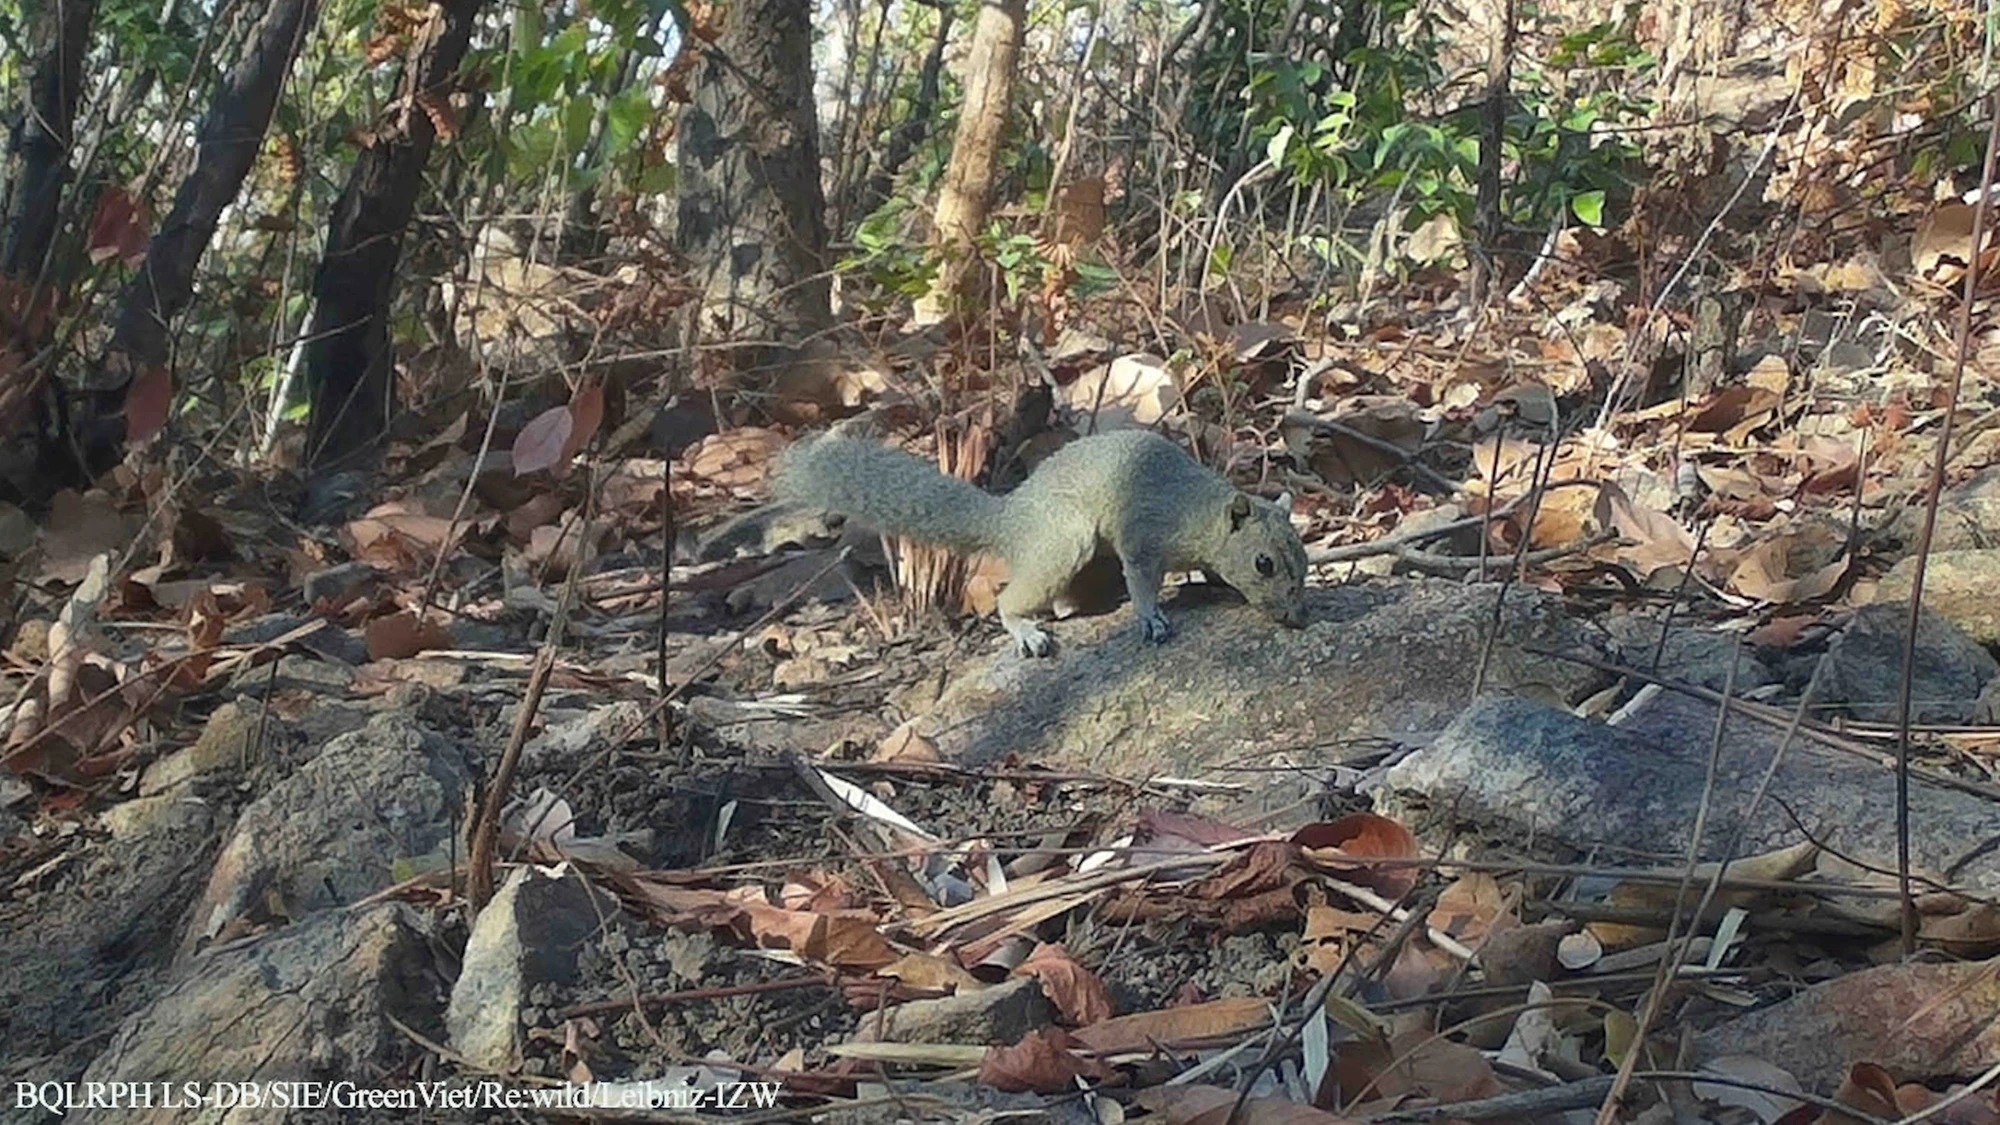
(1487, 215)
(752, 215)
(42, 142)
(348, 359)
(967, 192)
(30, 210)
(231, 136)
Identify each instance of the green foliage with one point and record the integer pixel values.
(1350, 126)
(1570, 132)
(885, 262)
(564, 98)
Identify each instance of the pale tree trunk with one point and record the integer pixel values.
(1492, 138)
(752, 211)
(967, 192)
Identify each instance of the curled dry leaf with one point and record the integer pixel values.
(586, 412)
(1078, 994)
(1042, 1062)
(1578, 951)
(149, 400)
(1471, 908)
(732, 461)
(1213, 1021)
(1414, 1064)
(1132, 390)
(120, 228)
(1867, 1088)
(905, 744)
(928, 971)
(1942, 249)
(403, 541)
(1653, 540)
(1345, 846)
(1781, 570)
(400, 635)
(1763, 1106)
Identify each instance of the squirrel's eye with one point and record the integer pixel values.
(1265, 566)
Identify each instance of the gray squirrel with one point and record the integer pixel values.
(1132, 494)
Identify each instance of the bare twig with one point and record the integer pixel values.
(1973, 273)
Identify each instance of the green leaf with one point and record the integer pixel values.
(577, 115)
(625, 121)
(1275, 151)
(1588, 207)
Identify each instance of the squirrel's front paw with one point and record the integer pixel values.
(1153, 626)
(1031, 639)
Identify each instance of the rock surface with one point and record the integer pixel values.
(1230, 687)
(1862, 671)
(332, 832)
(529, 934)
(1001, 1014)
(312, 1001)
(1631, 793)
(90, 946)
(1959, 586)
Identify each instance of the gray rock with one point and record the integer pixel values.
(1959, 586)
(337, 584)
(330, 642)
(1576, 786)
(1700, 657)
(1817, 1034)
(310, 1002)
(225, 749)
(1968, 516)
(1385, 659)
(331, 833)
(1003, 1013)
(87, 942)
(526, 936)
(1862, 671)
(323, 677)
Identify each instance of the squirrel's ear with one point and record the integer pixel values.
(1239, 510)
(1284, 502)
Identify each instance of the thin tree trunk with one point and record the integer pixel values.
(967, 192)
(348, 358)
(31, 207)
(1493, 137)
(231, 136)
(752, 210)
(42, 146)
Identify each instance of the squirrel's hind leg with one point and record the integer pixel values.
(1034, 582)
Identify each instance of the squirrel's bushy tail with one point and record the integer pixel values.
(889, 490)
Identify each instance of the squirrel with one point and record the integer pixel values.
(1131, 494)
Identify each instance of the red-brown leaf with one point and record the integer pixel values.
(540, 443)
(149, 398)
(1334, 845)
(120, 228)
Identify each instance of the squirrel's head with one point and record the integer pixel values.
(1262, 558)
